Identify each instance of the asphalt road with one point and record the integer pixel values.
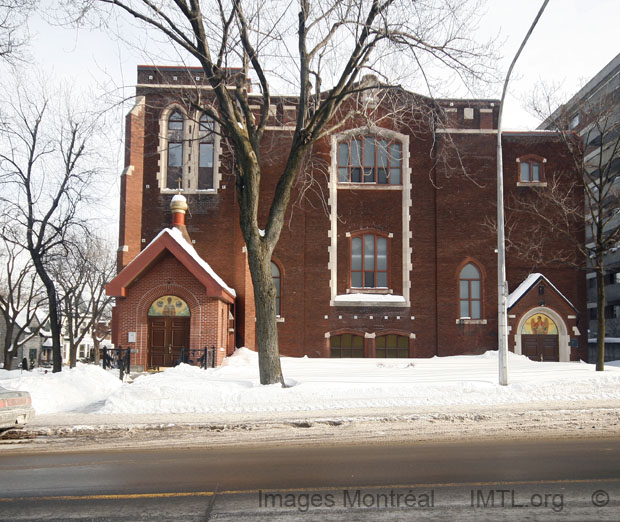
(491, 480)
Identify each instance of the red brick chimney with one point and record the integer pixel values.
(179, 207)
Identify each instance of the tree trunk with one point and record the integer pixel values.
(55, 328)
(266, 326)
(50, 290)
(600, 315)
(8, 342)
(96, 345)
(72, 354)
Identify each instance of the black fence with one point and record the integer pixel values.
(117, 358)
(203, 357)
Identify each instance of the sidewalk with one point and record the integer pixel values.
(574, 419)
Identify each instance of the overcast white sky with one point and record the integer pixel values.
(572, 42)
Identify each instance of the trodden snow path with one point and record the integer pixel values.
(316, 384)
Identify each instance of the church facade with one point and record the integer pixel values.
(389, 247)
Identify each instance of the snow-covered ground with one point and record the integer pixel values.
(316, 384)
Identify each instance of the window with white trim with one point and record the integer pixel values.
(175, 141)
(370, 159)
(188, 151)
(531, 169)
(470, 292)
(206, 140)
(277, 282)
(369, 261)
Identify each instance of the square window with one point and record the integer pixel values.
(369, 261)
(530, 170)
(369, 160)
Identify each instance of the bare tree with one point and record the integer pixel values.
(100, 331)
(46, 175)
(81, 277)
(325, 51)
(590, 133)
(13, 29)
(21, 297)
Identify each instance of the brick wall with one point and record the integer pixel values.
(450, 221)
(169, 277)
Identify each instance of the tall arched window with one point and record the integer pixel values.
(275, 274)
(174, 172)
(189, 144)
(205, 152)
(470, 292)
(369, 261)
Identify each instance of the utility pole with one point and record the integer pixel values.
(502, 284)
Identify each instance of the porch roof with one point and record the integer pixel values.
(530, 281)
(171, 240)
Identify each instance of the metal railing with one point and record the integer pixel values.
(203, 357)
(117, 358)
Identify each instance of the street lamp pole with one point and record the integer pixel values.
(502, 284)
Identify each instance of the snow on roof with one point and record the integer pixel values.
(530, 281)
(177, 235)
(35, 319)
(22, 319)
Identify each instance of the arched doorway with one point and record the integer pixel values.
(542, 335)
(169, 322)
(539, 338)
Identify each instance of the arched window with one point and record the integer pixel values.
(531, 169)
(470, 292)
(189, 144)
(346, 345)
(169, 305)
(392, 346)
(174, 172)
(369, 261)
(275, 274)
(370, 159)
(205, 152)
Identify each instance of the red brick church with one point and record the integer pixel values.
(388, 250)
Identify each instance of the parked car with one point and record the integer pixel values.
(15, 408)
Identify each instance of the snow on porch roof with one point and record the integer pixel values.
(171, 239)
(529, 282)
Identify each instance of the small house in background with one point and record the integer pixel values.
(388, 248)
(30, 345)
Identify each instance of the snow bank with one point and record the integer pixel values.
(317, 384)
(320, 384)
(69, 390)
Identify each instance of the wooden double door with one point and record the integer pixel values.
(167, 335)
(540, 347)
